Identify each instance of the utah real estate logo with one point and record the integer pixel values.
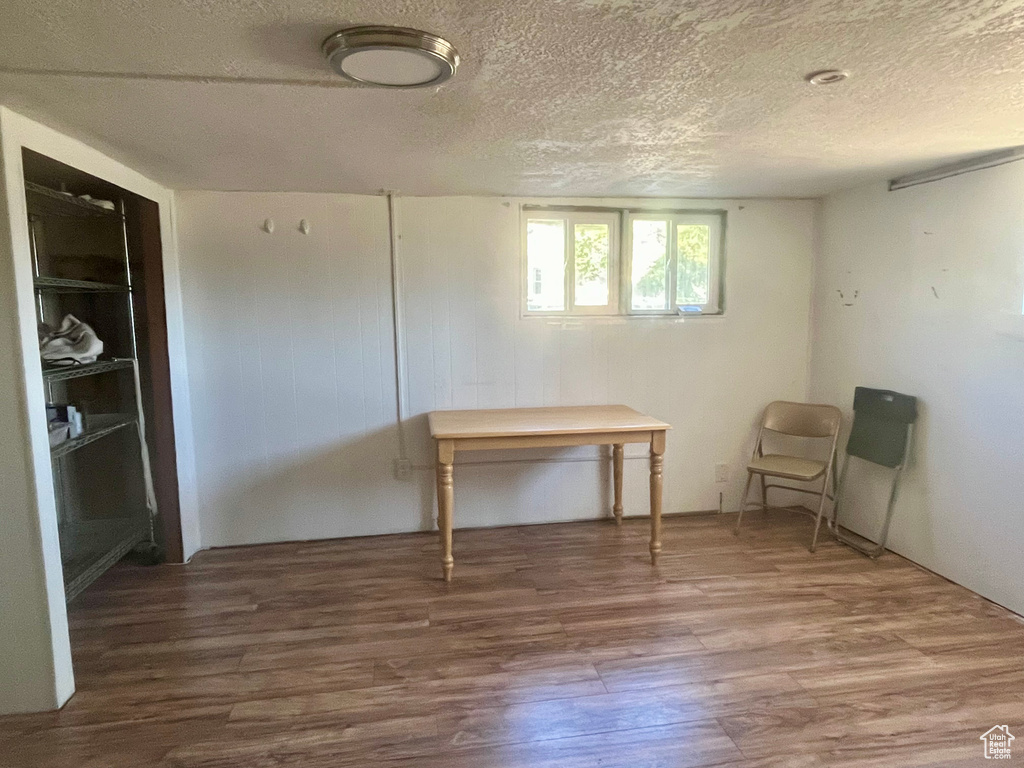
(997, 742)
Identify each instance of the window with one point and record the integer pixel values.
(583, 283)
(671, 262)
(674, 263)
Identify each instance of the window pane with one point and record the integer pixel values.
(545, 264)
(693, 271)
(593, 244)
(650, 264)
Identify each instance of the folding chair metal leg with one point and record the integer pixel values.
(764, 494)
(888, 513)
(875, 551)
(837, 493)
(829, 475)
(743, 503)
(821, 511)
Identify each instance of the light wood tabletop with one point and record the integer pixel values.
(506, 422)
(563, 426)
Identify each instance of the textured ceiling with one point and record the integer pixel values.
(554, 97)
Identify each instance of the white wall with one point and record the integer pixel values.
(292, 367)
(292, 373)
(35, 657)
(920, 291)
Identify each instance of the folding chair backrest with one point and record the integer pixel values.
(881, 425)
(802, 419)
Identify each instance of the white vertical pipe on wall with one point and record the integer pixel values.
(397, 324)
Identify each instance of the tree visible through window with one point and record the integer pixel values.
(650, 265)
(593, 248)
(693, 244)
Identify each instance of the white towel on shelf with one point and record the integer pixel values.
(73, 343)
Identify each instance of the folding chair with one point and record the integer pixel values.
(796, 420)
(882, 425)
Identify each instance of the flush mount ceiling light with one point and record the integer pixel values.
(390, 57)
(827, 77)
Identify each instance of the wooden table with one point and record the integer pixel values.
(484, 430)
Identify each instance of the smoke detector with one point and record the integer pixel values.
(827, 77)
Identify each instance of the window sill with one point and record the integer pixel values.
(577, 320)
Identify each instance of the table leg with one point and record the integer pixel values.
(657, 459)
(445, 503)
(617, 454)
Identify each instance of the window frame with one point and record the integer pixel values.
(620, 259)
(715, 220)
(570, 219)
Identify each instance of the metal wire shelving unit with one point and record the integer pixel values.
(94, 535)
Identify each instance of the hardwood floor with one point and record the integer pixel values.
(555, 645)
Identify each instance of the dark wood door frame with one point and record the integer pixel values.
(155, 367)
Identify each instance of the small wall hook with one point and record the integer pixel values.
(304, 227)
(268, 226)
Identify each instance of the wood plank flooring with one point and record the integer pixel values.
(555, 645)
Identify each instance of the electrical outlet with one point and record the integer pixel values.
(721, 473)
(403, 469)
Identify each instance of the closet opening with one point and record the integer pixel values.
(98, 271)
